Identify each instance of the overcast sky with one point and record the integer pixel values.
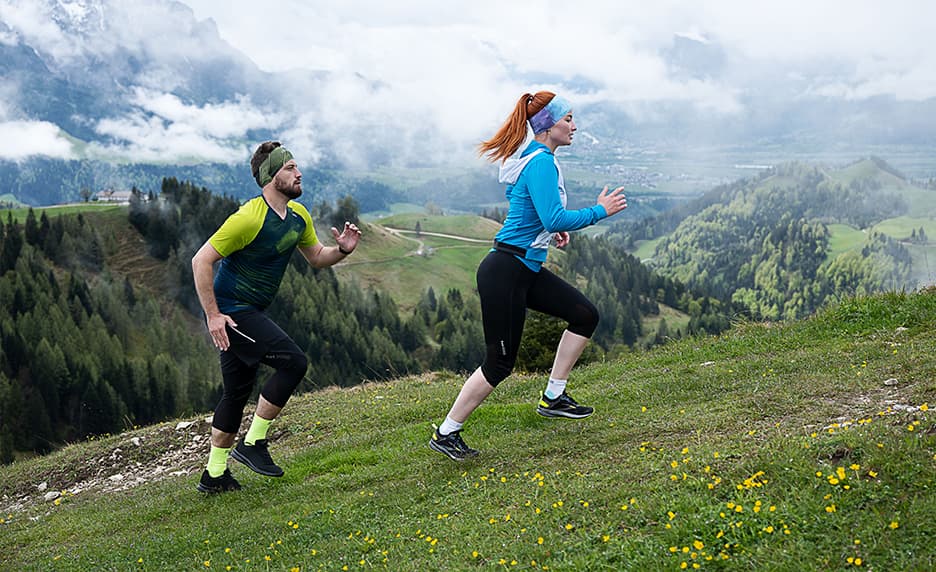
(597, 50)
(450, 71)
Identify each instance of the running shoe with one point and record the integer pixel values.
(226, 482)
(451, 445)
(563, 406)
(257, 458)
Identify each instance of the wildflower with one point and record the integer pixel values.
(893, 525)
(698, 545)
(474, 553)
(569, 526)
(539, 540)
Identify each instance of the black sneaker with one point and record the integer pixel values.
(226, 482)
(451, 445)
(563, 406)
(257, 458)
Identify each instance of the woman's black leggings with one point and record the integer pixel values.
(267, 344)
(507, 288)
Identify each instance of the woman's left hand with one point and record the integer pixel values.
(562, 239)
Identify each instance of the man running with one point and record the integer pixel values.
(254, 246)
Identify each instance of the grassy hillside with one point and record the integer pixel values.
(806, 445)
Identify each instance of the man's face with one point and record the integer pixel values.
(288, 180)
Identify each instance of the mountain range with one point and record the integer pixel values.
(91, 86)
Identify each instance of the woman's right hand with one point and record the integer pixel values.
(613, 202)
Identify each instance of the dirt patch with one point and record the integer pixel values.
(137, 457)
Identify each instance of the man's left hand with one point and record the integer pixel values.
(347, 240)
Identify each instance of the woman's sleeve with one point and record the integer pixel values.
(543, 182)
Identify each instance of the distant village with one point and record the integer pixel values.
(112, 196)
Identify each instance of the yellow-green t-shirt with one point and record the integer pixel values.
(257, 245)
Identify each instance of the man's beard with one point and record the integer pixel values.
(290, 191)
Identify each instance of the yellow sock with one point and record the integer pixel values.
(217, 461)
(258, 430)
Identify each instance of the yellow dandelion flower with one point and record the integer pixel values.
(698, 545)
(854, 466)
(910, 427)
(569, 527)
(769, 530)
(924, 407)
(605, 538)
(893, 525)
(858, 561)
(539, 540)
(830, 509)
(671, 515)
(674, 464)
(207, 563)
(474, 553)
(685, 450)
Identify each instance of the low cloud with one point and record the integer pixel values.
(20, 140)
(164, 129)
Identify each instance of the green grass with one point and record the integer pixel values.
(646, 248)
(19, 215)
(408, 277)
(844, 238)
(901, 228)
(771, 447)
(471, 226)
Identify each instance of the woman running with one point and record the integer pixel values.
(511, 278)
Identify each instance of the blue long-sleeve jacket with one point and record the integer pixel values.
(537, 199)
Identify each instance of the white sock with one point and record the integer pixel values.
(448, 426)
(555, 387)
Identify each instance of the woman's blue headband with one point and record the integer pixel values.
(555, 110)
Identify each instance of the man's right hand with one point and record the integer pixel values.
(217, 328)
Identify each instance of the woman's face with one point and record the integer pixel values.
(561, 133)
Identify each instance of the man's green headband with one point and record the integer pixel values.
(271, 165)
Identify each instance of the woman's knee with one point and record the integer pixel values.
(584, 319)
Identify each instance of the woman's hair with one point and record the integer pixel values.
(260, 155)
(513, 132)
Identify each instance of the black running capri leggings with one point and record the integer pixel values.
(507, 288)
(260, 341)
